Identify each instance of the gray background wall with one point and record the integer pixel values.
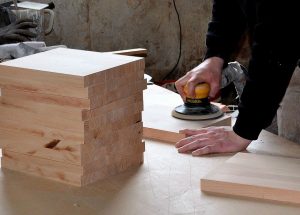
(108, 25)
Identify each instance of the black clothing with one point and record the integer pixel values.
(273, 27)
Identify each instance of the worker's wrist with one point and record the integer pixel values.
(216, 62)
(241, 140)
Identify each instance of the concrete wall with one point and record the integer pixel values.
(108, 25)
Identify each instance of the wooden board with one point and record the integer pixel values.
(277, 147)
(58, 171)
(132, 88)
(139, 52)
(53, 149)
(158, 122)
(255, 176)
(69, 72)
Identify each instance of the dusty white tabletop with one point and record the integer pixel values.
(167, 183)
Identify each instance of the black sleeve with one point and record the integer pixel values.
(225, 30)
(275, 52)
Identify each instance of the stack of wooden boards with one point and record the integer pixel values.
(72, 116)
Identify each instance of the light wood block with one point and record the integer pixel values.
(256, 176)
(24, 128)
(124, 91)
(121, 165)
(65, 114)
(87, 114)
(158, 122)
(57, 171)
(67, 72)
(52, 149)
(111, 141)
(37, 115)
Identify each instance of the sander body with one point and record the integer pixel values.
(199, 107)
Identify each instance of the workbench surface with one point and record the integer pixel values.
(167, 183)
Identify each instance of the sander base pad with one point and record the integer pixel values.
(197, 113)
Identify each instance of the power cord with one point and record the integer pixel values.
(180, 42)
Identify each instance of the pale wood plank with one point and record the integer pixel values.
(67, 72)
(97, 172)
(57, 171)
(126, 91)
(158, 122)
(87, 114)
(50, 99)
(271, 144)
(28, 117)
(18, 78)
(72, 62)
(15, 105)
(52, 149)
(256, 176)
(124, 136)
(42, 131)
(140, 52)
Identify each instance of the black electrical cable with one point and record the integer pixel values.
(180, 42)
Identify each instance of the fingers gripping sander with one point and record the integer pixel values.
(199, 107)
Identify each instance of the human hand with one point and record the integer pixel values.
(17, 31)
(208, 71)
(211, 140)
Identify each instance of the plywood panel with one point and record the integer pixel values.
(255, 176)
(158, 122)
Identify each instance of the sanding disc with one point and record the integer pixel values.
(197, 113)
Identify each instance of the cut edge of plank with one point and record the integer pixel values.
(267, 194)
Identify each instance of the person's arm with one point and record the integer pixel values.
(224, 33)
(225, 30)
(275, 52)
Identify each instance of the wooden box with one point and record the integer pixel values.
(72, 116)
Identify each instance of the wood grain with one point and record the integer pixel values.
(66, 114)
(57, 171)
(255, 176)
(68, 72)
(158, 122)
(43, 147)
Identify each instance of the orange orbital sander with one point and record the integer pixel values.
(198, 108)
